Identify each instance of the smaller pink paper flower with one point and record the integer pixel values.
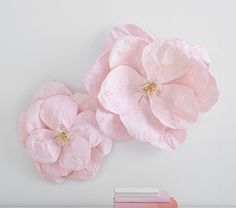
(157, 88)
(60, 133)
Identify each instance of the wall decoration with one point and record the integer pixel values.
(140, 87)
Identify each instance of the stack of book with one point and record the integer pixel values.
(143, 198)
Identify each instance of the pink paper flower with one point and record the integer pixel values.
(60, 133)
(154, 89)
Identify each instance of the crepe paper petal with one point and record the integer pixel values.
(41, 147)
(53, 170)
(59, 112)
(97, 74)
(170, 139)
(142, 124)
(120, 31)
(111, 125)
(101, 67)
(23, 134)
(51, 88)
(128, 51)
(209, 97)
(164, 61)
(86, 125)
(58, 180)
(119, 91)
(175, 107)
(197, 77)
(85, 101)
(178, 136)
(32, 117)
(92, 168)
(105, 146)
(75, 155)
(94, 162)
(200, 54)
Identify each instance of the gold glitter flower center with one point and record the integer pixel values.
(150, 88)
(62, 138)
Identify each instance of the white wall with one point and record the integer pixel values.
(58, 40)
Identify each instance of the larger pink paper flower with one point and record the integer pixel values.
(156, 87)
(60, 133)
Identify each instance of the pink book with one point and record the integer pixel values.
(171, 204)
(162, 197)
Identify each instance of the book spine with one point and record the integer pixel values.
(144, 199)
(171, 204)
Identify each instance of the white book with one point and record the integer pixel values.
(126, 191)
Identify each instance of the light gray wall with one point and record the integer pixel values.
(58, 40)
